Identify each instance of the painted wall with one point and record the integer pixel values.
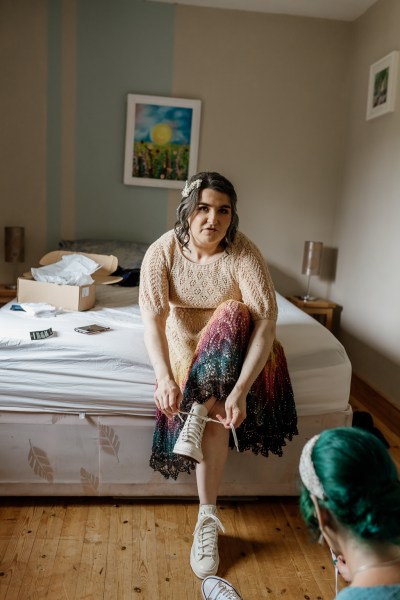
(67, 67)
(122, 48)
(368, 215)
(23, 116)
(274, 92)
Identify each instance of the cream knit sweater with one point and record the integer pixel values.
(188, 292)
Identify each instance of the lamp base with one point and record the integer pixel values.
(307, 298)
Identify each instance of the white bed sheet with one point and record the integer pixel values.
(111, 373)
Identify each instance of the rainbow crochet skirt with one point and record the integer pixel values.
(271, 413)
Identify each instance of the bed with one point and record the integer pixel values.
(77, 411)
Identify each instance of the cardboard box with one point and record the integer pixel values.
(71, 297)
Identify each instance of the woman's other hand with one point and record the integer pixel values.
(168, 396)
(235, 410)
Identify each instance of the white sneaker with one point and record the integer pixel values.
(189, 440)
(204, 558)
(216, 588)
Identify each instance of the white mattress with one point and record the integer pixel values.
(110, 373)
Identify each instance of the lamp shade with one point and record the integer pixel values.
(312, 258)
(14, 244)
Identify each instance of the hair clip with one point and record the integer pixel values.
(189, 188)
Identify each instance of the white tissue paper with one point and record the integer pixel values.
(40, 309)
(72, 269)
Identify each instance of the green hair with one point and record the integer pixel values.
(360, 483)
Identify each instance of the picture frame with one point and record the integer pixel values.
(161, 141)
(382, 85)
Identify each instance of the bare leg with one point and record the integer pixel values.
(204, 557)
(215, 451)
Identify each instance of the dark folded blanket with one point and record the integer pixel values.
(130, 277)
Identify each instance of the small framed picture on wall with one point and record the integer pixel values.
(382, 86)
(161, 142)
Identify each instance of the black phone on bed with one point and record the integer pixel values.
(91, 329)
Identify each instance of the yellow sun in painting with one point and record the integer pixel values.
(161, 134)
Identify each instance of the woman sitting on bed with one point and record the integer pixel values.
(209, 313)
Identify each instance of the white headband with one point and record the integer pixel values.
(189, 188)
(307, 472)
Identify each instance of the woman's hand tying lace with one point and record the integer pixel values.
(235, 410)
(168, 396)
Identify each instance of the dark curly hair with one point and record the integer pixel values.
(187, 206)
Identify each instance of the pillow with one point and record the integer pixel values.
(129, 254)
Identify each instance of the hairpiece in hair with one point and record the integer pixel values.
(189, 188)
(307, 472)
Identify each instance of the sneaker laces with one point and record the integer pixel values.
(222, 592)
(206, 419)
(193, 431)
(207, 534)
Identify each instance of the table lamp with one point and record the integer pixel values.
(311, 263)
(14, 249)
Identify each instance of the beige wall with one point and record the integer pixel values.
(368, 216)
(23, 64)
(68, 116)
(274, 93)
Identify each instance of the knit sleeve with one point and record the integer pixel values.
(154, 286)
(255, 283)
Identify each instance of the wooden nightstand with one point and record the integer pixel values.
(6, 295)
(325, 311)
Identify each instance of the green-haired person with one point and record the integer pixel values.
(351, 495)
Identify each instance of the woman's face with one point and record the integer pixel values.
(210, 220)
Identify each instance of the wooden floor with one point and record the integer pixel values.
(81, 549)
